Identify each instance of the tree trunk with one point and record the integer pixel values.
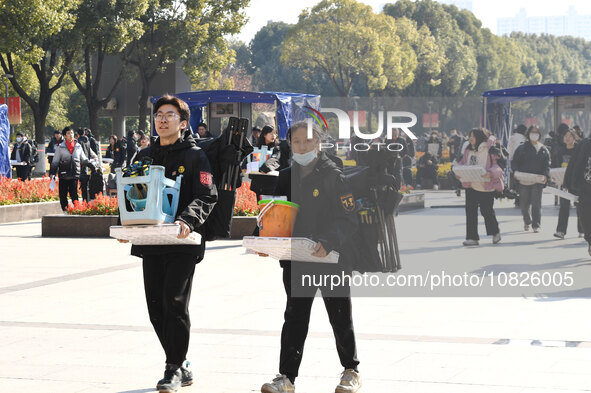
(40, 117)
(143, 105)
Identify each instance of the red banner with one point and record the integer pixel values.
(14, 109)
(432, 122)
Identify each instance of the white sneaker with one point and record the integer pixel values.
(526, 227)
(435, 187)
(559, 235)
(536, 230)
(350, 382)
(280, 384)
(497, 238)
(581, 235)
(470, 242)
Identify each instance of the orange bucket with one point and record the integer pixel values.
(276, 218)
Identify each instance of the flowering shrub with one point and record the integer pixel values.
(14, 191)
(246, 201)
(406, 190)
(443, 169)
(101, 206)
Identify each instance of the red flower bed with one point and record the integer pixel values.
(14, 191)
(101, 206)
(246, 201)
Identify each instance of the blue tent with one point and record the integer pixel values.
(289, 105)
(5, 169)
(496, 107)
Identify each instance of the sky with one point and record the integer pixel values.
(262, 11)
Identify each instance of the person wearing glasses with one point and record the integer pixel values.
(168, 269)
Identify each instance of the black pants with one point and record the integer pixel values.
(407, 175)
(485, 200)
(427, 173)
(167, 282)
(295, 329)
(84, 187)
(531, 196)
(563, 215)
(585, 217)
(23, 172)
(68, 186)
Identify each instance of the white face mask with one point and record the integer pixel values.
(19, 139)
(534, 137)
(306, 158)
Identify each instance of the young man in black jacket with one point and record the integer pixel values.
(168, 270)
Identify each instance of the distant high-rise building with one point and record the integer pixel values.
(570, 24)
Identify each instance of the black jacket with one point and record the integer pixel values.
(527, 159)
(327, 206)
(562, 156)
(198, 193)
(131, 147)
(577, 178)
(24, 151)
(117, 153)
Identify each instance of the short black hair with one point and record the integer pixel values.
(140, 133)
(80, 131)
(56, 132)
(66, 129)
(202, 124)
(19, 134)
(521, 129)
(180, 105)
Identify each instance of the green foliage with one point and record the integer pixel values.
(190, 31)
(345, 40)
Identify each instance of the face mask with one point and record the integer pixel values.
(306, 158)
(534, 137)
(19, 139)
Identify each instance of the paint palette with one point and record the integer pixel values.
(287, 249)
(153, 235)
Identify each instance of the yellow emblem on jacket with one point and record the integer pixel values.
(315, 192)
(181, 169)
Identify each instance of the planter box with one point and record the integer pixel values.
(64, 225)
(242, 226)
(412, 201)
(28, 211)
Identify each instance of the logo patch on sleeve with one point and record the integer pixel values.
(348, 202)
(205, 178)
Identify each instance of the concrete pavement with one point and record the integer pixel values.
(73, 317)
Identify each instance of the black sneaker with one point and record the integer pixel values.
(186, 376)
(171, 382)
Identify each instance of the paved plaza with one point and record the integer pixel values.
(73, 316)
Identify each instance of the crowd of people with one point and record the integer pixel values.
(528, 161)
